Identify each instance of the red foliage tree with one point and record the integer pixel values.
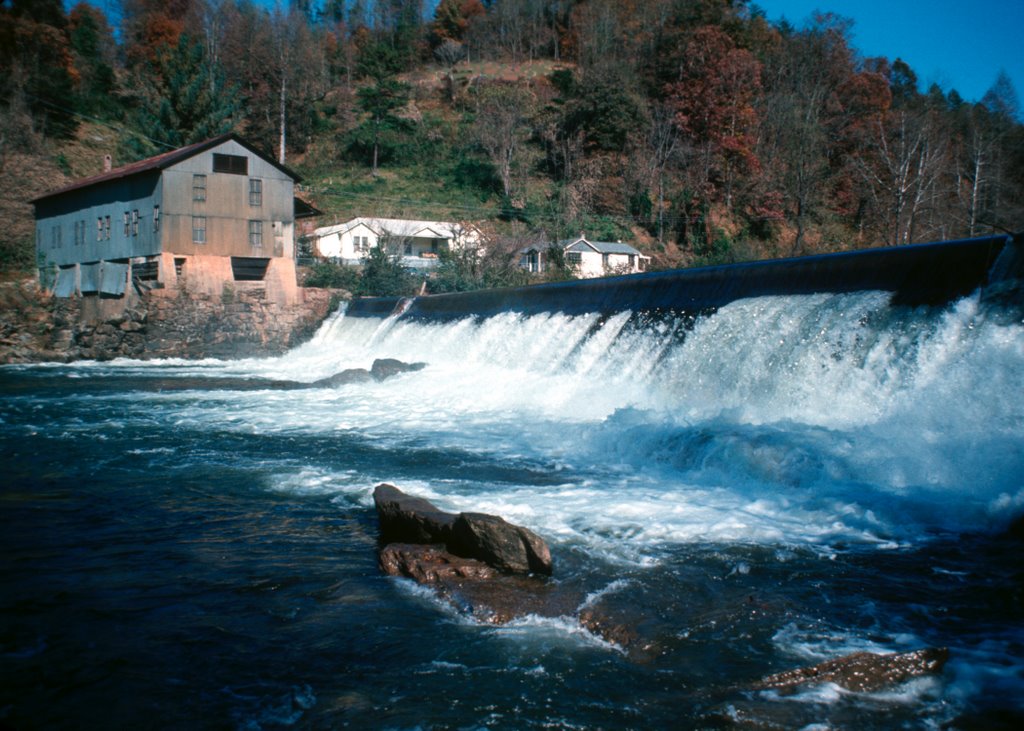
(713, 102)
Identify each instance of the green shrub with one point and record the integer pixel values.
(333, 276)
(384, 276)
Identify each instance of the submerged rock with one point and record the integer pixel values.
(431, 564)
(381, 369)
(349, 375)
(1016, 529)
(863, 672)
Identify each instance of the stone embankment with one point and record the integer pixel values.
(37, 327)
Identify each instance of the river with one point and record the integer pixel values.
(785, 480)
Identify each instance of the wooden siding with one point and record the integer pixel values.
(85, 206)
(227, 208)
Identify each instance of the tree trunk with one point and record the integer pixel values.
(283, 120)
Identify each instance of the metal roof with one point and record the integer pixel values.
(400, 227)
(161, 162)
(601, 247)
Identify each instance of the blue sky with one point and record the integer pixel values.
(959, 44)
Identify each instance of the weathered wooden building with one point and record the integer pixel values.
(209, 217)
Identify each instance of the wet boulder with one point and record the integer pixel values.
(483, 566)
(862, 672)
(408, 519)
(386, 367)
(495, 541)
(488, 538)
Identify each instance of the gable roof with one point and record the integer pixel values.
(601, 247)
(161, 162)
(401, 227)
(305, 209)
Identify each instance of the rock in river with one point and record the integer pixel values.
(862, 672)
(488, 538)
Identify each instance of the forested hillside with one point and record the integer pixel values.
(695, 129)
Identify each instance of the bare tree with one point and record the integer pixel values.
(903, 172)
(503, 113)
(448, 54)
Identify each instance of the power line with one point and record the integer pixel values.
(491, 212)
(122, 128)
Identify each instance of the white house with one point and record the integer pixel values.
(588, 258)
(417, 242)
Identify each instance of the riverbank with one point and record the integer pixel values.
(36, 327)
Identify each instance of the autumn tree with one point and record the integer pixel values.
(452, 19)
(280, 65)
(150, 26)
(37, 67)
(713, 99)
(803, 119)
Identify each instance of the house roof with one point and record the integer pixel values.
(400, 227)
(304, 209)
(161, 162)
(601, 247)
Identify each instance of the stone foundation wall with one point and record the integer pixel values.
(239, 322)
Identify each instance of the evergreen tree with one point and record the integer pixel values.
(377, 134)
(185, 101)
(92, 43)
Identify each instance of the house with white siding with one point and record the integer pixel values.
(417, 243)
(587, 258)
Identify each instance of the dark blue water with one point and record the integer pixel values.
(800, 479)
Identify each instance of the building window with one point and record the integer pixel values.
(135, 222)
(198, 187)
(78, 232)
(574, 259)
(198, 229)
(55, 237)
(99, 228)
(233, 164)
(604, 260)
(156, 218)
(127, 223)
(106, 228)
(361, 244)
(256, 234)
(255, 192)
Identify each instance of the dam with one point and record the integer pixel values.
(923, 274)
